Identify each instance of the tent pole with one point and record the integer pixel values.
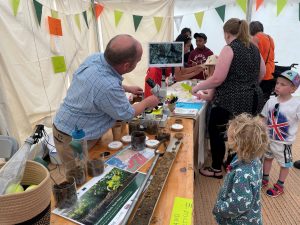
(249, 10)
(96, 24)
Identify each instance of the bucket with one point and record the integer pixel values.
(29, 207)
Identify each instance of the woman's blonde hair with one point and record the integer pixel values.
(248, 136)
(239, 28)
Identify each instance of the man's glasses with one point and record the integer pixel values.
(276, 110)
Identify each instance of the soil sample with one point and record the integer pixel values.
(134, 125)
(76, 170)
(163, 136)
(95, 167)
(138, 140)
(152, 127)
(151, 196)
(65, 194)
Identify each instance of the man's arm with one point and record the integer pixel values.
(136, 90)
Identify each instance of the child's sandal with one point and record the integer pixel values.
(264, 183)
(275, 191)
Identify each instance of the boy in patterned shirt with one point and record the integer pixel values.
(238, 201)
(282, 115)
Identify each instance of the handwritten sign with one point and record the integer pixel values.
(59, 64)
(182, 211)
(55, 26)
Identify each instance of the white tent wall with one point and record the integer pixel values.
(146, 31)
(284, 28)
(30, 90)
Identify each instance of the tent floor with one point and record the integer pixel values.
(281, 210)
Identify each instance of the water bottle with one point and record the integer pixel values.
(77, 167)
(79, 144)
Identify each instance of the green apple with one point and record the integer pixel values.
(14, 188)
(31, 187)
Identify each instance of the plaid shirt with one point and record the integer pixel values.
(95, 99)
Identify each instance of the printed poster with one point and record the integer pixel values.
(130, 160)
(105, 199)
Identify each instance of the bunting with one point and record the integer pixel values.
(98, 10)
(118, 16)
(299, 11)
(258, 3)
(136, 21)
(38, 10)
(199, 18)
(280, 5)
(158, 21)
(242, 4)
(178, 20)
(85, 18)
(77, 21)
(221, 11)
(15, 5)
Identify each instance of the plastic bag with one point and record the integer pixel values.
(12, 172)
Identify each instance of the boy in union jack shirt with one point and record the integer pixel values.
(282, 114)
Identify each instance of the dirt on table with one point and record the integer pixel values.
(151, 196)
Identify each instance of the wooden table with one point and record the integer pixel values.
(180, 182)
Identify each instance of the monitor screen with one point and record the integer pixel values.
(166, 54)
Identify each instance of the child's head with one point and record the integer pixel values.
(210, 64)
(201, 39)
(247, 136)
(287, 83)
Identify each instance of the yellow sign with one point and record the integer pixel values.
(182, 211)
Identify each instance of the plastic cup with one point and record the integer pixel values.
(64, 194)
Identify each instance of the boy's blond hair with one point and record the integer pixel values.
(248, 136)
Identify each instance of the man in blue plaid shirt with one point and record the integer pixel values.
(96, 97)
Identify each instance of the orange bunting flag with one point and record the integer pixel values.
(55, 26)
(258, 3)
(98, 10)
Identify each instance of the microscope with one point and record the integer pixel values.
(161, 93)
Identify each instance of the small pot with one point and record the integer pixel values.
(138, 140)
(65, 193)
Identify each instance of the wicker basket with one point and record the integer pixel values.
(30, 205)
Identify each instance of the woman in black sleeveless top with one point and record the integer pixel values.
(238, 72)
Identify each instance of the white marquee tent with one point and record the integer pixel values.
(31, 90)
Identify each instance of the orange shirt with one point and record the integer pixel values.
(265, 42)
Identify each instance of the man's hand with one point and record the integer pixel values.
(151, 101)
(136, 90)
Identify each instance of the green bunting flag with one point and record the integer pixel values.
(158, 22)
(199, 18)
(85, 18)
(136, 21)
(242, 4)
(38, 10)
(221, 11)
(15, 5)
(280, 5)
(118, 15)
(299, 11)
(77, 21)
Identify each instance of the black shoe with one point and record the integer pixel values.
(297, 164)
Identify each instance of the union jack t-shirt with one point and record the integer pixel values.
(282, 119)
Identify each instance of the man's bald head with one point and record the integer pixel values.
(121, 49)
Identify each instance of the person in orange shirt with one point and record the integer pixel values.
(266, 47)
